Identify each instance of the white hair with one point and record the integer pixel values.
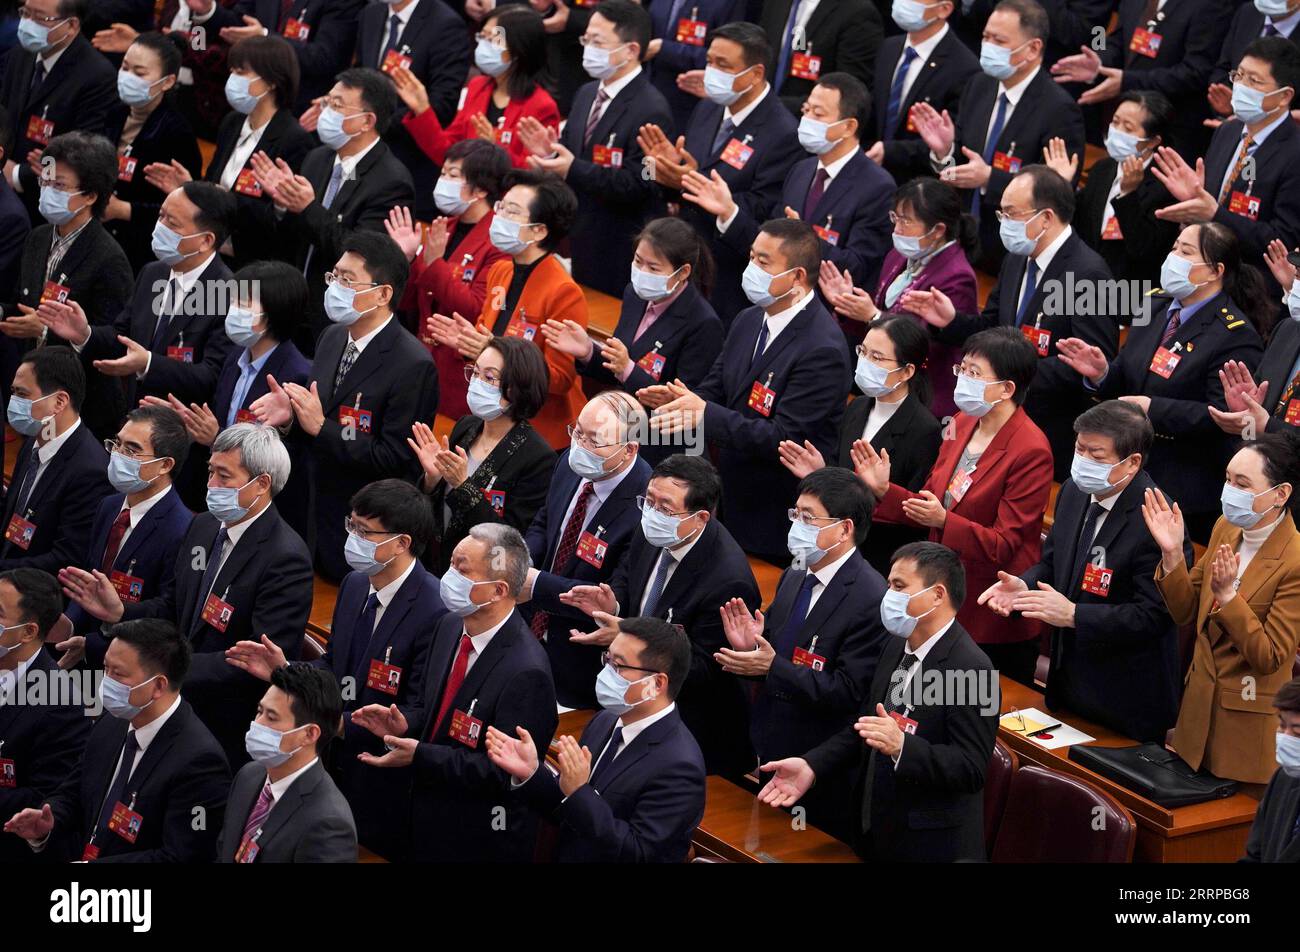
(507, 553)
(260, 451)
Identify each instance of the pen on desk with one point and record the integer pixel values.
(1043, 730)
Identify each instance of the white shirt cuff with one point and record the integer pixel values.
(724, 224)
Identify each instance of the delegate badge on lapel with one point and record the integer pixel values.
(56, 291)
(1244, 204)
(462, 271)
(606, 156)
(248, 848)
(40, 129)
(960, 482)
(808, 658)
(8, 772)
(245, 416)
(826, 233)
(295, 29)
(1164, 361)
(496, 498)
(129, 588)
(126, 166)
(20, 531)
(592, 548)
(395, 60)
(354, 416)
(692, 30)
(805, 65)
(738, 152)
(1096, 580)
(465, 727)
(1110, 231)
(1292, 412)
(217, 612)
(905, 724)
(1145, 43)
(1007, 161)
(246, 183)
(911, 119)
(520, 326)
(762, 398)
(179, 352)
(383, 676)
(653, 362)
(125, 822)
(1036, 335)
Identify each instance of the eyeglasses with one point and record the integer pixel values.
(1251, 80)
(349, 283)
(897, 219)
(513, 212)
(620, 668)
(1014, 215)
(589, 442)
(496, 36)
(875, 356)
(113, 446)
(355, 528)
(585, 40)
(644, 505)
(29, 15)
(958, 370)
(490, 377)
(808, 518)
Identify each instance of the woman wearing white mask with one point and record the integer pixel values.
(147, 129)
(987, 492)
(1272, 835)
(510, 53)
(1209, 310)
(493, 467)
(1243, 597)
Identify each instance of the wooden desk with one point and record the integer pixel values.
(602, 311)
(1213, 832)
(323, 596)
(737, 828)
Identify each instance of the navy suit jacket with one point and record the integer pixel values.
(648, 803)
(674, 57)
(807, 366)
(14, 227)
(617, 521)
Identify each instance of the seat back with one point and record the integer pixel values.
(1052, 817)
(997, 784)
(312, 649)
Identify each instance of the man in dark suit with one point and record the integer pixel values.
(147, 773)
(60, 476)
(56, 83)
(384, 618)
(740, 132)
(1275, 833)
(683, 566)
(432, 42)
(783, 374)
(15, 223)
(1248, 24)
(681, 29)
(632, 790)
(583, 530)
(42, 740)
(350, 182)
(812, 39)
(485, 669)
(1049, 287)
(929, 64)
(598, 154)
(918, 781)
(283, 807)
(370, 380)
(240, 572)
(1114, 646)
(841, 192)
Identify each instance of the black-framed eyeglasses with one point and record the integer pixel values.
(643, 504)
(355, 528)
(606, 659)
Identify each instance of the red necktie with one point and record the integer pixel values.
(815, 193)
(568, 545)
(454, 681)
(114, 543)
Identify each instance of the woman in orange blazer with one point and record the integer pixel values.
(527, 289)
(1244, 597)
(987, 492)
(511, 53)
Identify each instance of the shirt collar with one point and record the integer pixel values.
(1044, 258)
(388, 591)
(605, 487)
(923, 50)
(777, 322)
(738, 117)
(682, 551)
(191, 277)
(46, 451)
(233, 533)
(827, 572)
(480, 641)
(351, 162)
(280, 787)
(1286, 25)
(1264, 133)
(612, 89)
(53, 58)
(1014, 93)
(246, 362)
(630, 731)
(141, 509)
(834, 168)
(145, 735)
(362, 342)
(1185, 313)
(1109, 502)
(404, 15)
(929, 643)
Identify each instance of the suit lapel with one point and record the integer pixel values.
(496, 649)
(368, 362)
(283, 811)
(141, 533)
(1268, 558)
(829, 601)
(329, 351)
(774, 349)
(399, 607)
(633, 752)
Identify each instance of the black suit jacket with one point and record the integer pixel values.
(1272, 838)
(1145, 241)
(15, 225)
(930, 808)
(1275, 367)
(183, 770)
(312, 823)
(1246, 27)
(843, 34)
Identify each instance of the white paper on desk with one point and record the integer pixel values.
(1063, 736)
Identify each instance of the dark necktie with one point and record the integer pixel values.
(29, 480)
(394, 27)
(725, 129)
(38, 77)
(593, 118)
(1082, 546)
(893, 701)
(896, 90)
(1031, 285)
(606, 757)
(990, 146)
(115, 533)
(657, 583)
(362, 634)
(789, 633)
(815, 192)
(209, 576)
(346, 361)
(117, 792)
(1271, 30)
(165, 318)
(567, 546)
(761, 344)
(787, 42)
(1175, 318)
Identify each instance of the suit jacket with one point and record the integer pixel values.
(997, 523)
(435, 137)
(1118, 665)
(1272, 838)
(266, 579)
(440, 51)
(799, 706)
(458, 795)
(182, 770)
(613, 203)
(1247, 25)
(773, 134)
(1251, 640)
(807, 367)
(615, 522)
(61, 505)
(15, 225)
(648, 802)
(1276, 367)
(311, 823)
(1190, 450)
(679, 56)
(843, 34)
(930, 807)
(1145, 240)
(44, 741)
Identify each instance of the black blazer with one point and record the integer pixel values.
(458, 795)
(648, 804)
(613, 203)
(519, 468)
(396, 381)
(1275, 367)
(44, 741)
(1272, 838)
(15, 226)
(267, 580)
(930, 808)
(62, 504)
(1246, 27)
(843, 34)
(1118, 666)
(311, 824)
(1138, 255)
(182, 770)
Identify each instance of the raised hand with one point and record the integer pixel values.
(742, 628)
(1057, 158)
(800, 460)
(258, 658)
(791, 779)
(1002, 594)
(403, 230)
(1083, 358)
(568, 337)
(1081, 67)
(1165, 523)
(871, 467)
(935, 129)
(517, 756)
(933, 306)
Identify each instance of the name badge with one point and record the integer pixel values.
(246, 183)
(521, 327)
(806, 659)
(40, 129)
(653, 363)
(1040, 337)
(1244, 204)
(1006, 163)
(126, 168)
(217, 612)
(737, 153)
(245, 416)
(248, 850)
(959, 483)
(130, 588)
(592, 549)
(394, 60)
(361, 420)
(1292, 412)
(183, 354)
(295, 29)
(8, 774)
(496, 498)
(1111, 231)
(384, 677)
(911, 120)
(805, 66)
(1145, 43)
(691, 32)
(607, 156)
(762, 398)
(125, 822)
(53, 291)
(1164, 361)
(1096, 580)
(466, 728)
(20, 531)
(825, 234)
(905, 724)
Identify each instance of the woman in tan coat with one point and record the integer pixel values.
(1244, 596)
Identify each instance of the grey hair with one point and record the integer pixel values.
(507, 553)
(260, 451)
(632, 422)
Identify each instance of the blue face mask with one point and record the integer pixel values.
(167, 245)
(1175, 276)
(1288, 754)
(1248, 103)
(909, 15)
(661, 530)
(447, 196)
(20, 415)
(340, 304)
(34, 37)
(224, 504)
(1239, 506)
(1293, 300)
(53, 204)
(909, 247)
(1091, 476)
(1121, 145)
(969, 395)
(6, 649)
(871, 378)
(893, 612)
(490, 58)
(263, 744)
(239, 326)
(717, 85)
(757, 285)
(454, 589)
(599, 63)
(590, 466)
(360, 554)
(329, 127)
(124, 473)
(116, 698)
(504, 234)
(653, 287)
(1014, 235)
(484, 400)
(239, 96)
(801, 540)
(812, 135)
(612, 687)
(996, 60)
(134, 91)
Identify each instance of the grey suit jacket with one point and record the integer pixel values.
(311, 824)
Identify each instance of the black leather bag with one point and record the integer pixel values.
(1152, 771)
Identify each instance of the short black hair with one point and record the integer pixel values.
(1050, 190)
(484, 165)
(166, 432)
(40, 597)
(216, 206)
(1282, 57)
(58, 368)
(842, 495)
(664, 648)
(281, 292)
(1158, 111)
(1126, 426)
(631, 22)
(378, 94)
(1011, 356)
(160, 646)
(855, 99)
(399, 507)
(314, 698)
(1033, 18)
(274, 61)
(799, 244)
(1287, 697)
(525, 376)
(385, 261)
(933, 203)
(74, 8)
(703, 485)
(937, 565)
(679, 243)
(756, 48)
(164, 47)
(554, 204)
(92, 158)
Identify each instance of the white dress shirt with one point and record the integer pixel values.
(403, 17)
(776, 323)
(923, 52)
(188, 280)
(824, 576)
(245, 146)
(138, 512)
(364, 341)
(280, 787)
(1042, 260)
(674, 557)
(832, 169)
(480, 642)
(631, 732)
(388, 592)
(46, 451)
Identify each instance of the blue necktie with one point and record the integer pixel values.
(209, 577)
(789, 633)
(990, 146)
(761, 345)
(725, 129)
(787, 38)
(242, 387)
(896, 90)
(362, 634)
(117, 792)
(657, 584)
(1031, 285)
(394, 26)
(606, 757)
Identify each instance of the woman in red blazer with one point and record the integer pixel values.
(987, 492)
(451, 257)
(511, 53)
